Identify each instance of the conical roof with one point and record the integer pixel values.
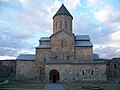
(62, 10)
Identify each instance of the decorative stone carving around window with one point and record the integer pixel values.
(63, 43)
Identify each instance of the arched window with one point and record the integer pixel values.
(67, 57)
(70, 25)
(56, 25)
(11, 70)
(65, 24)
(92, 72)
(83, 72)
(63, 42)
(60, 23)
(115, 66)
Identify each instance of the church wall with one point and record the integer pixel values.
(42, 55)
(83, 53)
(44, 42)
(7, 68)
(25, 70)
(60, 23)
(62, 56)
(62, 46)
(74, 73)
(114, 67)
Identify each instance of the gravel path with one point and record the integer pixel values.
(54, 87)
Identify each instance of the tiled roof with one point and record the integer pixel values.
(26, 57)
(115, 58)
(82, 37)
(73, 62)
(83, 43)
(44, 46)
(63, 10)
(44, 38)
(96, 56)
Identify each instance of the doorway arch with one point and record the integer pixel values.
(54, 76)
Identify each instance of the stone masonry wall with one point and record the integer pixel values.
(83, 53)
(44, 42)
(59, 23)
(114, 68)
(7, 68)
(74, 73)
(25, 70)
(42, 55)
(62, 46)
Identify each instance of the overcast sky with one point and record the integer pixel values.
(23, 22)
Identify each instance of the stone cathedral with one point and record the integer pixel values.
(62, 57)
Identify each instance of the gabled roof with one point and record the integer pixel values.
(83, 44)
(74, 62)
(44, 39)
(96, 56)
(115, 58)
(43, 46)
(26, 57)
(82, 37)
(61, 31)
(62, 11)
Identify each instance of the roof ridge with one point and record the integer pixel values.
(62, 10)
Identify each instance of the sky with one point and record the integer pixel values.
(23, 22)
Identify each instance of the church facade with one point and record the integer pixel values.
(62, 57)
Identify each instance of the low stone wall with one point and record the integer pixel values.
(7, 69)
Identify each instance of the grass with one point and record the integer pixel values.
(22, 84)
(106, 86)
(1, 81)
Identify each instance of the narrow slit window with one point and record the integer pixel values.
(115, 66)
(56, 25)
(92, 72)
(83, 72)
(70, 25)
(68, 57)
(65, 24)
(11, 70)
(60, 24)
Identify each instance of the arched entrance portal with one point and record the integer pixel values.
(54, 76)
